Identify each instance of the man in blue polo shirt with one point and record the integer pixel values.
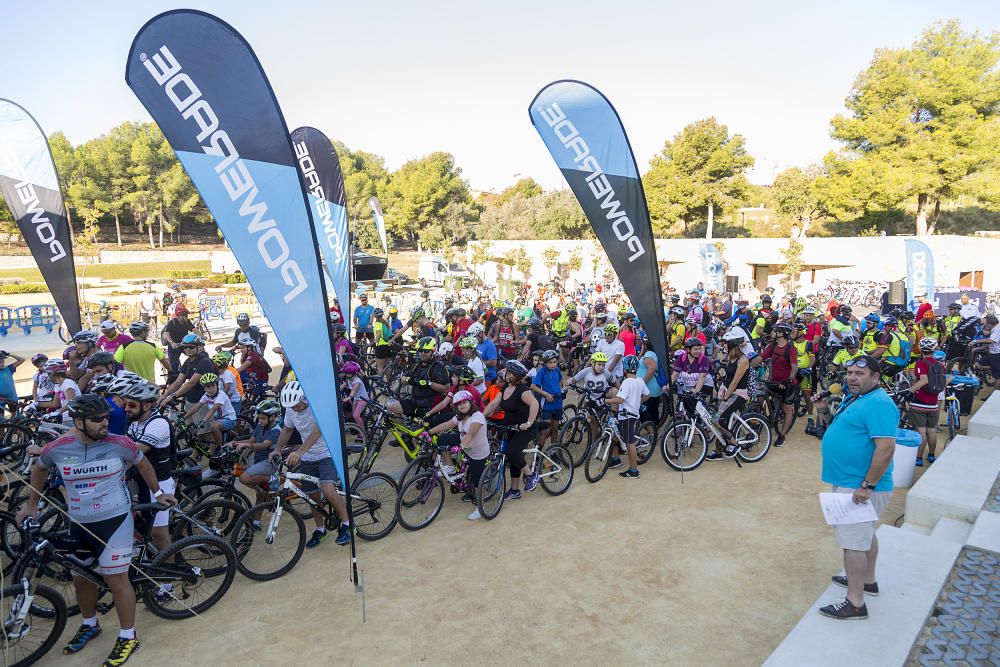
(857, 459)
(487, 351)
(363, 315)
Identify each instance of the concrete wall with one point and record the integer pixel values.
(877, 259)
(117, 257)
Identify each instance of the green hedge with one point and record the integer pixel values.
(185, 274)
(230, 278)
(29, 288)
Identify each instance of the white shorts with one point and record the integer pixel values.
(859, 536)
(163, 518)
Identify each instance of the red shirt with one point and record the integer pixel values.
(627, 336)
(923, 399)
(784, 362)
(813, 331)
(921, 309)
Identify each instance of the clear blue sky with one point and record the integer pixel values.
(402, 79)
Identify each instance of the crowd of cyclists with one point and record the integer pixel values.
(534, 382)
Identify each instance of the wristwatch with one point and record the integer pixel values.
(158, 493)
(866, 485)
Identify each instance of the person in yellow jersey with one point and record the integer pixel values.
(930, 327)
(870, 333)
(908, 327)
(676, 329)
(851, 350)
(140, 355)
(952, 319)
(806, 361)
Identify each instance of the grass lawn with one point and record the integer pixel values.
(118, 271)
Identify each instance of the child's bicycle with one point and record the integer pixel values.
(266, 550)
(421, 496)
(600, 454)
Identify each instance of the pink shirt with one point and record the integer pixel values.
(112, 345)
(627, 336)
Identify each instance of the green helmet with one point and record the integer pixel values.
(468, 342)
(268, 406)
(208, 378)
(426, 343)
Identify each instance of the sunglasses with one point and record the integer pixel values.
(133, 405)
(98, 420)
(860, 362)
(189, 347)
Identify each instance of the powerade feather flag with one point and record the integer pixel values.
(585, 136)
(379, 222)
(711, 266)
(203, 85)
(30, 185)
(919, 270)
(320, 168)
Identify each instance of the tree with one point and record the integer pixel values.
(420, 191)
(509, 259)
(551, 256)
(480, 254)
(792, 270)
(924, 125)
(526, 187)
(64, 157)
(523, 263)
(554, 215)
(795, 195)
(701, 169)
(575, 261)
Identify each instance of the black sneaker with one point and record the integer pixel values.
(714, 456)
(870, 589)
(317, 537)
(468, 499)
(122, 651)
(629, 474)
(615, 463)
(779, 441)
(80, 639)
(845, 611)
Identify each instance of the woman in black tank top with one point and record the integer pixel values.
(520, 409)
(733, 392)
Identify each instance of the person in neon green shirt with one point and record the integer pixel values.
(140, 356)
(850, 351)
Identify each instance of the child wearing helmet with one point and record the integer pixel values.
(41, 384)
(470, 352)
(925, 404)
(64, 390)
(262, 443)
(356, 391)
(547, 384)
(218, 404)
(232, 383)
(471, 425)
(628, 400)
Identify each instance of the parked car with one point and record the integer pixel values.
(397, 277)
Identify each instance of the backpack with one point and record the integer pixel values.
(755, 387)
(903, 358)
(936, 380)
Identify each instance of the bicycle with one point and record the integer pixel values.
(684, 445)
(267, 552)
(405, 434)
(952, 409)
(579, 431)
(422, 487)
(599, 457)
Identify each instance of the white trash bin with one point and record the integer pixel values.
(904, 459)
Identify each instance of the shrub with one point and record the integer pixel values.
(27, 288)
(230, 278)
(185, 274)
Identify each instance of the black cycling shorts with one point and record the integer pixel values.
(383, 352)
(116, 533)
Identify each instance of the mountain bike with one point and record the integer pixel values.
(404, 431)
(578, 432)
(266, 550)
(684, 444)
(952, 409)
(600, 455)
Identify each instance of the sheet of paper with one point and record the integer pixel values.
(840, 508)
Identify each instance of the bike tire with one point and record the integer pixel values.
(556, 475)
(47, 610)
(419, 465)
(644, 450)
(678, 452)
(575, 436)
(373, 505)
(420, 501)
(253, 551)
(355, 441)
(200, 554)
(952, 420)
(759, 427)
(492, 490)
(598, 460)
(216, 513)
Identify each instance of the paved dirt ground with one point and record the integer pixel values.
(714, 571)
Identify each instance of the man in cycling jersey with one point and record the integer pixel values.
(429, 379)
(243, 327)
(890, 349)
(93, 464)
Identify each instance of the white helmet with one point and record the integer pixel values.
(444, 349)
(735, 334)
(476, 329)
(292, 394)
(245, 340)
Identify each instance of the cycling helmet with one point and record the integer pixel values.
(845, 310)
(393, 310)
(476, 329)
(35, 358)
(463, 373)
(850, 340)
(535, 354)
(377, 313)
(101, 359)
(890, 322)
(334, 316)
(598, 358)
(55, 366)
(193, 339)
(424, 294)
(678, 311)
(339, 328)
(469, 342)
(461, 397)
(874, 318)
(783, 329)
(801, 303)
(101, 384)
(600, 308)
(444, 349)
(675, 299)
(929, 315)
(516, 368)
(180, 309)
(939, 355)
(221, 358)
(907, 315)
(88, 405)
(208, 378)
(549, 355)
(451, 312)
(245, 340)
(268, 407)
(610, 328)
(417, 314)
(809, 310)
(426, 343)
(243, 318)
(765, 298)
(734, 336)
(928, 345)
(86, 336)
(630, 364)
(139, 391)
(955, 305)
(693, 342)
(292, 394)
(351, 368)
(571, 313)
(108, 325)
(102, 303)
(138, 328)
(535, 323)
(799, 326)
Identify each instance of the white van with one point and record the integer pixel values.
(434, 269)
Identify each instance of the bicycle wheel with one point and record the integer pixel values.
(645, 441)
(556, 470)
(187, 565)
(26, 642)
(569, 412)
(373, 505)
(421, 464)
(683, 446)
(216, 514)
(598, 460)
(952, 420)
(11, 539)
(264, 551)
(243, 430)
(355, 441)
(575, 437)
(420, 501)
(491, 491)
(753, 436)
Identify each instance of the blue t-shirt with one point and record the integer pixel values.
(364, 315)
(652, 384)
(117, 421)
(550, 381)
(7, 389)
(396, 324)
(848, 445)
(260, 435)
(488, 352)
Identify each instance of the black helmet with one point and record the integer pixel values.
(88, 405)
(377, 313)
(463, 373)
(138, 328)
(955, 305)
(549, 355)
(675, 298)
(101, 359)
(243, 318)
(535, 323)
(765, 298)
(516, 369)
(339, 328)
(846, 310)
(424, 294)
(783, 329)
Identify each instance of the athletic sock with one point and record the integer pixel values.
(127, 634)
(90, 622)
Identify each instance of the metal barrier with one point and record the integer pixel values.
(7, 320)
(28, 317)
(214, 307)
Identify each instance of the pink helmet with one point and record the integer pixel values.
(351, 368)
(461, 396)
